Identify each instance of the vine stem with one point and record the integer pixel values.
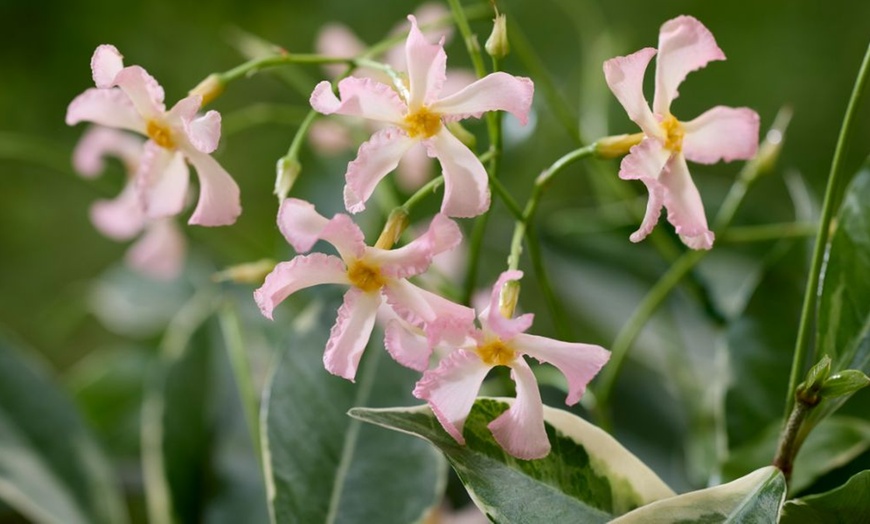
(836, 180)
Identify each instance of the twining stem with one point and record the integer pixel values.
(836, 180)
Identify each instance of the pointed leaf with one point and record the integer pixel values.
(322, 465)
(755, 498)
(51, 469)
(587, 475)
(848, 504)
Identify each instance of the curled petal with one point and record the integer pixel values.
(303, 226)
(106, 107)
(414, 258)
(219, 203)
(299, 273)
(407, 345)
(645, 162)
(520, 429)
(624, 76)
(375, 159)
(143, 90)
(351, 332)
(466, 186)
(99, 142)
(184, 110)
(494, 92)
(119, 219)
(653, 209)
(106, 63)
(162, 181)
(361, 97)
(685, 209)
(491, 317)
(722, 133)
(427, 14)
(685, 45)
(160, 253)
(427, 67)
(578, 362)
(450, 389)
(338, 41)
(204, 132)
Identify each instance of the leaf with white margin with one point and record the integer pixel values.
(587, 477)
(755, 498)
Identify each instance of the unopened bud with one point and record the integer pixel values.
(616, 145)
(249, 273)
(808, 390)
(497, 45)
(395, 226)
(287, 171)
(465, 136)
(209, 89)
(507, 300)
(844, 383)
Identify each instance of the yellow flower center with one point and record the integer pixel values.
(365, 276)
(674, 133)
(422, 123)
(160, 134)
(496, 353)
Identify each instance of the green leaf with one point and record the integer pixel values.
(848, 504)
(755, 498)
(323, 466)
(587, 475)
(834, 443)
(51, 469)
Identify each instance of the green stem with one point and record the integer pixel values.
(836, 179)
(789, 443)
(256, 65)
(232, 332)
(471, 43)
(767, 232)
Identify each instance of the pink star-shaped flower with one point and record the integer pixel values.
(129, 98)
(375, 276)
(417, 115)
(659, 161)
(450, 389)
(160, 250)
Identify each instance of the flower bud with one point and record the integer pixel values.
(288, 170)
(209, 89)
(616, 145)
(808, 390)
(497, 45)
(507, 300)
(395, 226)
(249, 273)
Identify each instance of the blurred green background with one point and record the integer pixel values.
(804, 55)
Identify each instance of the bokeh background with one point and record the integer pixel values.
(54, 265)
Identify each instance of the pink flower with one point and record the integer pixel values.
(160, 251)
(129, 98)
(659, 161)
(375, 276)
(450, 389)
(417, 114)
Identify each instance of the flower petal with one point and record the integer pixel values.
(685, 45)
(442, 319)
(494, 92)
(219, 203)
(121, 218)
(299, 273)
(493, 320)
(466, 186)
(407, 345)
(450, 389)
(427, 67)
(99, 142)
(303, 226)
(360, 97)
(722, 133)
(375, 159)
(162, 181)
(106, 107)
(578, 362)
(143, 90)
(106, 63)
(645, 162)
(685, 209)
(351, 332)
(520, 429)
(160, 252)
(624, 76)
(415, 257)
